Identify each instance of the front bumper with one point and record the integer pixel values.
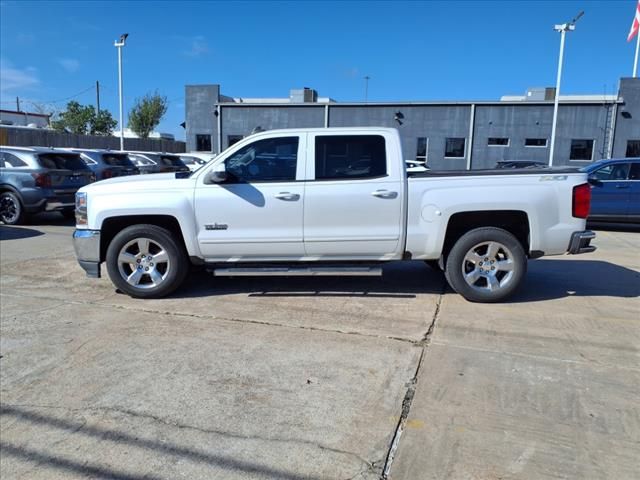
(87, 246)
(580, 242)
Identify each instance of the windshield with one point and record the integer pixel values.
(592, 167)
(62, 161)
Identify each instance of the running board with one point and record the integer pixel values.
(298, 271)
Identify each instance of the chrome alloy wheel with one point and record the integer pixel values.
(143, 263)
(488, 266)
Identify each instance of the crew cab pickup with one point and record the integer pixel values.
(331, 201)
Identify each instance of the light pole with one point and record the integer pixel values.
(366, 88)
(563, 29)
(119, 44)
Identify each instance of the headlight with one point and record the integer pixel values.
(81, 208)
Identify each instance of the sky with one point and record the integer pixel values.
(51, 52)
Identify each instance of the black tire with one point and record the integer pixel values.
(11, 210)
(486, 265)
(147, 283)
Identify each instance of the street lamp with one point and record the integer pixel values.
(563, 29)
(119, 44)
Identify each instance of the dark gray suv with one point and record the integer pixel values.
(39, 179)
(107, 163)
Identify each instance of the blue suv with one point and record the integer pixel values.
(39, 179)
(615, 190)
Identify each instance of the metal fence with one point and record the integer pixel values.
(26, 137)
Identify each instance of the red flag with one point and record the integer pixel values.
(635, 26)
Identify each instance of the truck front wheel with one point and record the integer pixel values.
(145, 261)
(486, 265)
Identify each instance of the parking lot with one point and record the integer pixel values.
(318, 378)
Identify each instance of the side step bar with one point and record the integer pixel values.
(297, 271)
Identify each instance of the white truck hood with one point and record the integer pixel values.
(153, 181)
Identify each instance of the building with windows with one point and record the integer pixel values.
(447, 135)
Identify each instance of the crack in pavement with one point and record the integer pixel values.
(411, 390)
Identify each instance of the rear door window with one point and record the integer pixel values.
(61, 161)
(345, 157)
(12, 161)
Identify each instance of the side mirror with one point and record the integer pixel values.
(218, 174)
(594, 181)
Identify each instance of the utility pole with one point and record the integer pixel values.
(17, 104)
(97, 97)
(366, 88)
(563, 29)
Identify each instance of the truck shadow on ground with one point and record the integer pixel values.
(546, 280)
(17, 233)
(400, 280)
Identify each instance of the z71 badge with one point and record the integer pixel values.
(216, 226)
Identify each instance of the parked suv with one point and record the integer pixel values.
(615, 190)
(38, 179)
(152, 162)
(106, 163)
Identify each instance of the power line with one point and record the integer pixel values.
(92, 87)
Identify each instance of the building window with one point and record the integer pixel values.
(633, 148)
(233, 139)
(203, 143)
(581, 150)
(535, 142)
(350, 157)
(421, 150)
(498, 142)
(454, 148)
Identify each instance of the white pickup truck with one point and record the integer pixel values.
(332, 201)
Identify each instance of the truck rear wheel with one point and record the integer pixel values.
(145, 261)
(486, 265)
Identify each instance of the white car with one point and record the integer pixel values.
(328, 201)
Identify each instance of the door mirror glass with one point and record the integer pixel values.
(218, 174)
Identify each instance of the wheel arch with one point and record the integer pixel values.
(111, 226)
(515, 222)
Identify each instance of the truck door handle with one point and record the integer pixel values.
(292, 197)
(622, 186)
(384, 194)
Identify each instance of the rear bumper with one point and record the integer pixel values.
(87, 246)
(580, 242)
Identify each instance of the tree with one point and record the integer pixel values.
(82, 120)
(147, 113)
(103, 123)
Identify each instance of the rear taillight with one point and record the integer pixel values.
(581, 200)
(107, 174)
(42, 180)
